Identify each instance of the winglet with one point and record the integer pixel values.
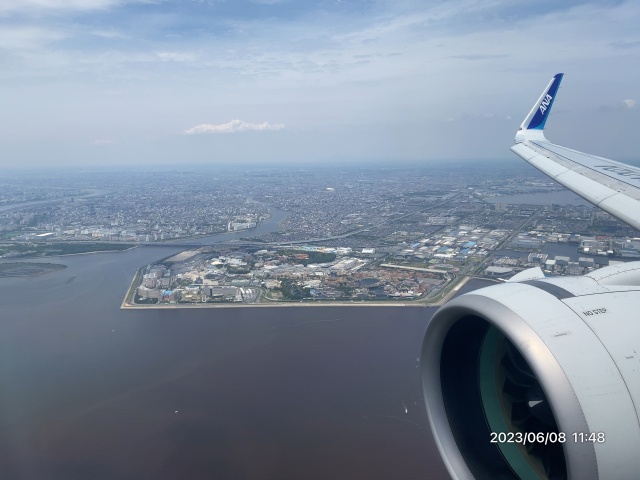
(533, 125)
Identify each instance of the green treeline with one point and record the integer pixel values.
(314, 257)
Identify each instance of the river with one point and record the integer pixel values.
(269, 226)
(557, 197)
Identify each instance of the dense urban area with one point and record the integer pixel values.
(258, 235)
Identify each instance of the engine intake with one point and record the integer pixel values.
(517, 376)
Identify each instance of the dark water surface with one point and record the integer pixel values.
(558, 197)
(89, 391)
(269, 226)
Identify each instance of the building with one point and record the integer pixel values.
(494, 271)
(574, 268)
(586, 262)
(527, 243)
(540, 258)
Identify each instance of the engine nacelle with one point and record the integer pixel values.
(538, 379)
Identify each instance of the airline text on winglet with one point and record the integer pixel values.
(545, 103)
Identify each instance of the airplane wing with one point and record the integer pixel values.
(612, 186)
(538, 354)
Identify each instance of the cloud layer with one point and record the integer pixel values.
(233, 126)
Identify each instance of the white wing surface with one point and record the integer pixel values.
(612, 186)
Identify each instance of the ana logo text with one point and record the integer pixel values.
(545, 103)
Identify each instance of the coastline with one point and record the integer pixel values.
(127, 302)
(130, 306)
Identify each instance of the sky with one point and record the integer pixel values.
(153, 82)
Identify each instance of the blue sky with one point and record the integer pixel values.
(117, 82)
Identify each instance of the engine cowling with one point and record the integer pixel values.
(538, 379)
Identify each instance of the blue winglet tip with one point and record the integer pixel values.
(545, 103)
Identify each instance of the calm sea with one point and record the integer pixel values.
(89, 391)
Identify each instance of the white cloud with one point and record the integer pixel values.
(630, 103)
(232, 127)
(167, 56)
(27, 38)
(108, 34)
(38, 6)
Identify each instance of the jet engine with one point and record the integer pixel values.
(538, 378)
